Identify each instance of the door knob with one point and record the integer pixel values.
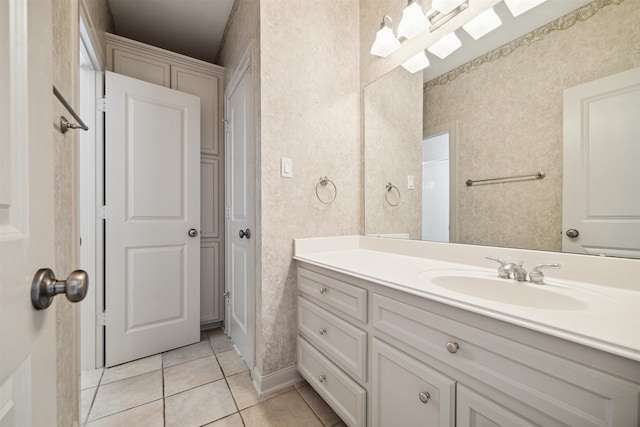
(45, 286)
(245, 233)
(573, 233)
(193, 232)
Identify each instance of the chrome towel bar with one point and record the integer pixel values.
(537, 175)
(64, 123)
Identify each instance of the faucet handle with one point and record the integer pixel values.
(536, 276)
(501, 272)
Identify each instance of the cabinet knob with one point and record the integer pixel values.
(424, 396)
(322, 378)
(452, 347)
(322, 331)
(323, 290)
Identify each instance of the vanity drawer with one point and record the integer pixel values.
(341, 341)
(558, 391)
(343, 394)
(342, 296)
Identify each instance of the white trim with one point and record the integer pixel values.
(265, 384)
(91, 196)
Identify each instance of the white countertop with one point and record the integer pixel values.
(607, 316)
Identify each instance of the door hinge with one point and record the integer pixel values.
(227, 213)
(101, 104)
(227, 125)
(102, 212)
(101, 318)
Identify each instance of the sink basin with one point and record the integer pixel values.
(505, 291)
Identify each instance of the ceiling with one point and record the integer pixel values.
(190, 27)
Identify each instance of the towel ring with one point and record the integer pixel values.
(324, 180)
(390, 187)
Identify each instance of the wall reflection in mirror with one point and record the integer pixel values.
(567, 104)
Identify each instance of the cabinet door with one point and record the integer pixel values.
(141, 67)
(474, 410)
(407, 392)
(207, 87)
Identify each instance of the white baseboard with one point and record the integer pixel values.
(265, 384)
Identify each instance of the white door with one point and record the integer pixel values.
(27, 337)
(152, 206)
(601, 166)
(240, 223)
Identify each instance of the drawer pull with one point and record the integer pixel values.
(323, 290)
(322, 378)
(424, 397)
(452, 347)
(322, 331)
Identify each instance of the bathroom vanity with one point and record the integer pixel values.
(395, 332)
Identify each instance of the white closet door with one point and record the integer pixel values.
(153, 208)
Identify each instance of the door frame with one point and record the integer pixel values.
(452, 128)
(91, 171)
(246, 65)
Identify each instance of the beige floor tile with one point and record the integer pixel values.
(125, 394)
(187, 353)
(286, 410)
(319, 406)
(191, 374)
(86, 399)
(301, 383)
(245, 394)
(89, 379)
(231, 362)
(131, 369)
(199, 405)
(230, 421)
(215, 331)
(147, 415)
(220, 343)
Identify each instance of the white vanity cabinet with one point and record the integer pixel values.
(165, 68)
(432, 364)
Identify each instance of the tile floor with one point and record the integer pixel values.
(204, 384)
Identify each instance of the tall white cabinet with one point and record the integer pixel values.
(169, 69)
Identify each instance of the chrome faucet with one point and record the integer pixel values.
(519, 273)
(536, 275)
(510, 270)
(501, 273)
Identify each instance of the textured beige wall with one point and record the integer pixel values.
(65, 78)
(393, 131)
(509, 114)
(310, 112)
(307, 96)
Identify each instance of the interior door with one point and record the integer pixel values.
(152, 219)
(240, 178)
(601, 173)
(27, 337)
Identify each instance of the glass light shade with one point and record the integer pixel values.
(413, 21)
(482, 24)
(518, 7)
(446, 6)
(445, 46)
(416, 63)
(385, 42)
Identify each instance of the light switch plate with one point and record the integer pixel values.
(410, 182)
(286, 167)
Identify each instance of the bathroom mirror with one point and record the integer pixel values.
(502, 115)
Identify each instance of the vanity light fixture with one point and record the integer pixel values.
(445, 46)
(385, 42)
(518, 7)
(413, 21)
(482, 24)
(416, 63)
